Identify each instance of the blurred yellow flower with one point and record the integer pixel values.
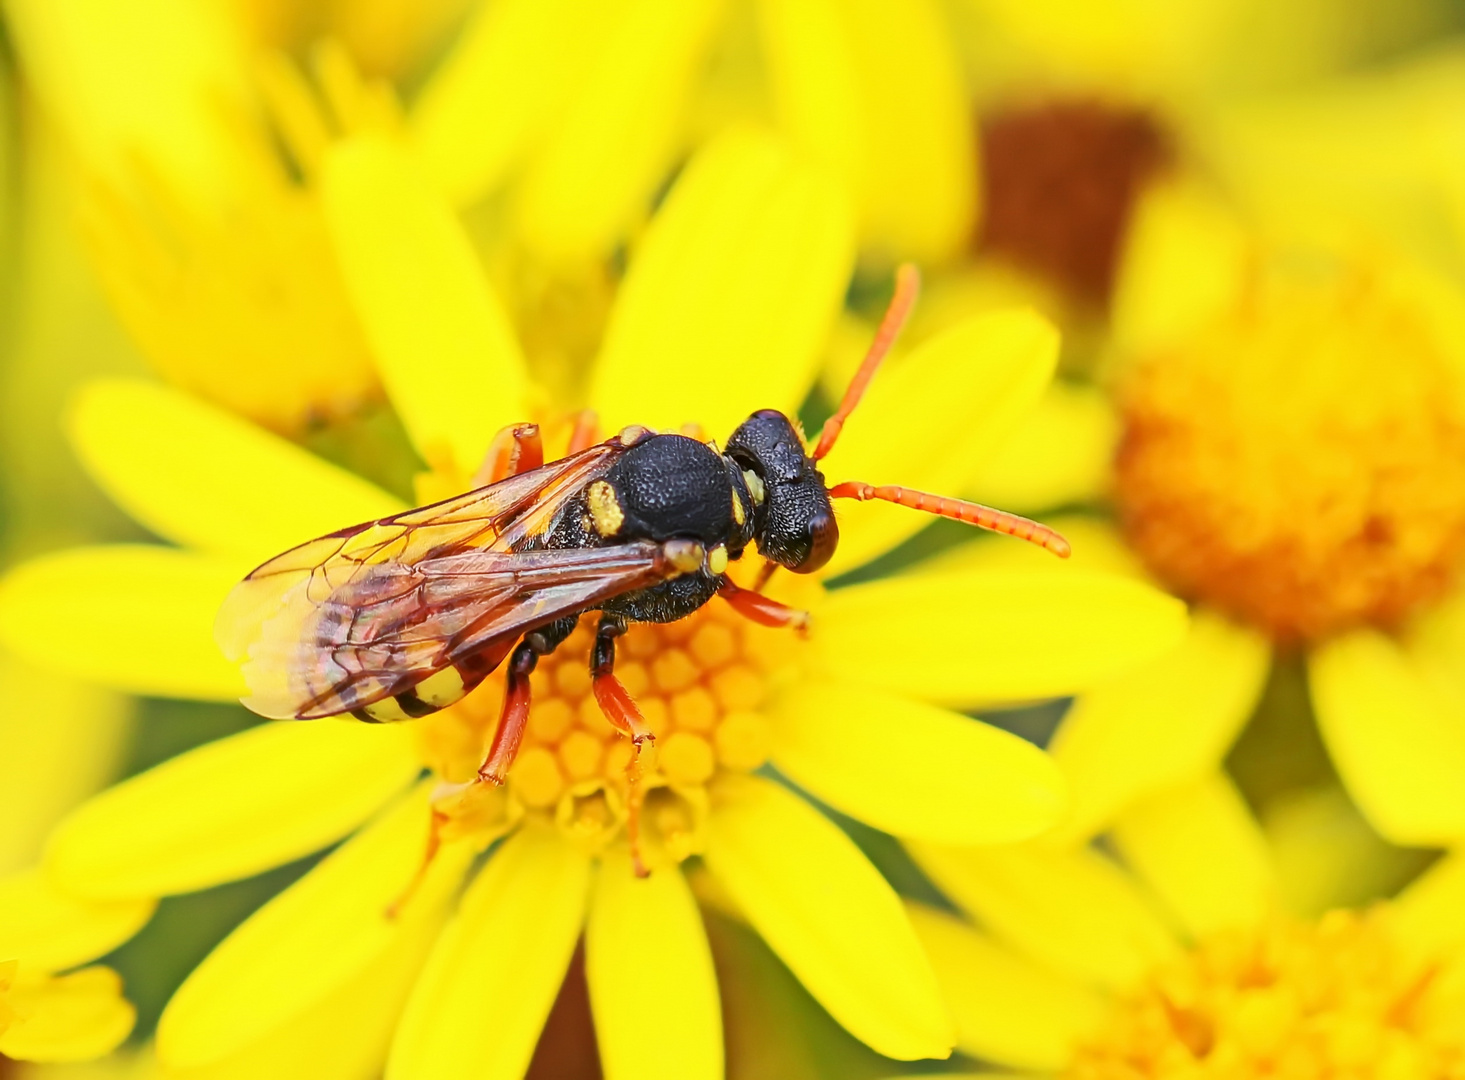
(61, 1017)
(1184, 964)
(207, 239)
(1291, 430)
(201, 157)
(721, 312)
(1079, 107)
(562, 91)
(68, 1017)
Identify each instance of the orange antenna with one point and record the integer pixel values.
(984, 517)
(907, 285)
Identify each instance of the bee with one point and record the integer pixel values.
(397, 618)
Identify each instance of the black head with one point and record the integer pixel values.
(793, 520)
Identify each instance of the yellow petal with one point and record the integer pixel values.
(968, 638)
(47, 768)
(931, 421)
(146, 81)
(601, 162)
(341, 1036)
(1282, 152)
(230, 808)
(1398, 744)
(1185, 260)
(1326, 856)
(1060, 455)
(441, 340)
(873, 92)
(493, 975)
(1167, 52)
(830, 917)
(1426, 915)
(202, 477)
(914, 769)
(70, 1018)
(47, 929)
(507, 77)
(1201, 851)
(318, 934)
(730, 294)
(646, 954)
(1008, 1009)
(134, 617)
(1435, 642)
(1166, 723)
(1074, 911)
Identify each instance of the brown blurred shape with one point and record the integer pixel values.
(566, 1049)
(1060, 179)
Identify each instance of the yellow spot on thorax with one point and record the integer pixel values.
(605, 508)
(755, 486)
(717, 559)
(1323, 1001)
(1301, 463)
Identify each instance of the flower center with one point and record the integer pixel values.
(1300, 463)
(699, 683)
(1314, 1002)
(1060, 179)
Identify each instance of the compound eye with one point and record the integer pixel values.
(823, 539)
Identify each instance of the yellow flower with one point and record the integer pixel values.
(214, 255)
(67, 1017)
(200, 159)
(1080, 107)
(1180, 962)
(540, 96)
(722, 310)
(1291, 429)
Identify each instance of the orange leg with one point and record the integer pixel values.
(586, 432)
(620, 709)
(514, 450)
(515, 716)
(512, 721)
(761, 610)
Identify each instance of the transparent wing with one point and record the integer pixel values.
(396, 625)
(368, 612)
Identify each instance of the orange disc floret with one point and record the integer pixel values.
(1300, 464)
(1321, 1001)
